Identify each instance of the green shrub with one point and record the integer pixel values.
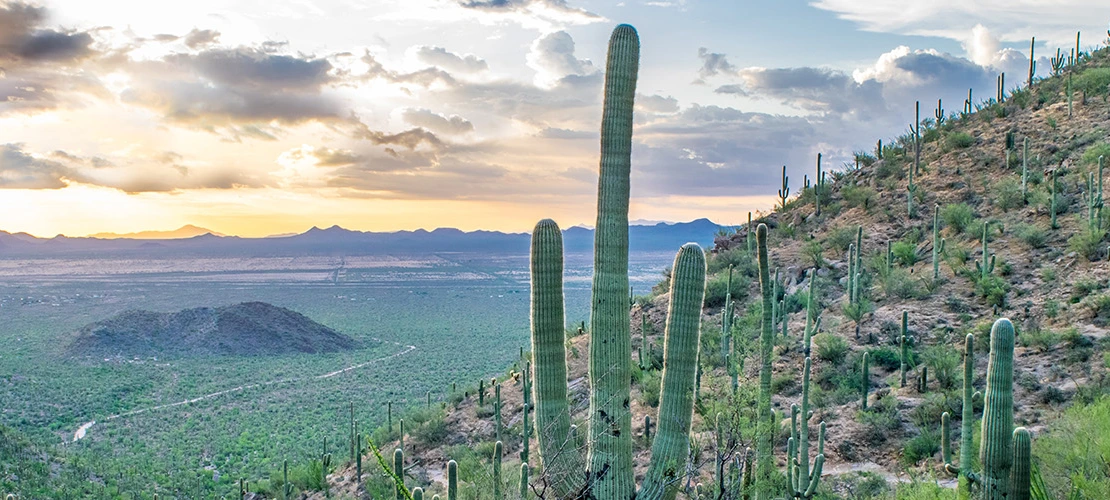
(920, 447)
(1093, 81)
(944, 362)
(830, 347)
(993, 289)
(960, 140)
(1008, 194)
(957, 216)
(717, 286)
(1090, 156)
(1032, 234)
(1087, 242)
(859, 196)
(900, 284)
(1041, 339)
(885, 357)
(1099, 306)
(905, 253)
(840, 238)
(431, 432)
(650, 388)
(814, 252)
(1072, 452)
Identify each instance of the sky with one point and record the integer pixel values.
(259, 117)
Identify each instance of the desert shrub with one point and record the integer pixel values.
(1090, 156)
(785, 384)
(881, 421)
(649, 390)
(1093, 81)
(885, 357)
(814, 252)
(900, 284)
(1087, 242)
(921, 446)
(1008, 194)
(830, 347)
(1072, 452)
(993, 289)
(1042, 339)
(944, 362)
(859, 196)
(904, 252)
(957, 216)
(840, 238)
(1051, 308)
(432, 431)
(1099, 306)
(960, 140)
(1032, 234)
(717, 286)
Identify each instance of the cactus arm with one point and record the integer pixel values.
(1020, 481)
(609, 460)
(671, 447)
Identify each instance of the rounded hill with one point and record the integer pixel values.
(246, 329)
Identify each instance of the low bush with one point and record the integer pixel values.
(830, 347)
(957, 216)
(960, 140)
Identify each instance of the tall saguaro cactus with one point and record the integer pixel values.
(561, 459)
(764, 463)
(938, 242)
(672, 441)
(967, 417)
(784, 192)
(609, 462)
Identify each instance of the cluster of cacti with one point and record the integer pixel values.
(1003, 450)
(608, 470)
(803, 481)
(784, 192)
(938, 242)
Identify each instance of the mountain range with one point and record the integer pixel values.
(336, 240)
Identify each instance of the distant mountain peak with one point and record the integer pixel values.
(183, 232)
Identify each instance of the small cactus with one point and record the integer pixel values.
(784, 192)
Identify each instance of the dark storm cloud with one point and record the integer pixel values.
(450, 61)
(24, 41)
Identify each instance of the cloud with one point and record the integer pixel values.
(656, 103)
(19, 170)
(424, 77)
(1054, 22)
(436, 122)
(23, 41)
(814, 89)
(712, 64)
(199, 38)
(450, 61)
(559, 7)
(552, 56)
(253, 69)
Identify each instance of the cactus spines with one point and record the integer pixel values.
(995, 449)
(561, 460)
(610, 421)
(452, 480)
(784, 192)
(905, 347)
(865, 382)
(670, 448)
(1020, 480)
(497, 450)
(767, 341)
(399, 472)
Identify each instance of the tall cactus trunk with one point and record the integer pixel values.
(996, 447)
(561, 459)
(671, 447)
(609, 462)
(764, 463)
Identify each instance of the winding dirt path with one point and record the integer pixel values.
(84, 428)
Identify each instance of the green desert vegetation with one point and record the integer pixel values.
(834, 345)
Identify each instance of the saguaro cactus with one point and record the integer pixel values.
(996, 446)
(726, 321)
(1025, 171)
(967, 417)
(865, 381)
(671, 447)
(765, 466)
(784, 192)
(610, 423)
(452, 480)
(1020, 479)
(803, 484)
(562, 462)
(818, 183)
(497, 450)
(905, 347)
(987, 266)
(938, 242)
